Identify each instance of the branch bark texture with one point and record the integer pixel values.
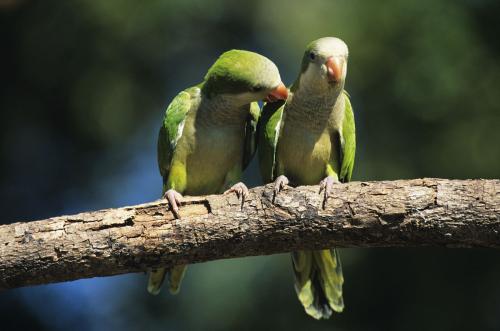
(403, 213)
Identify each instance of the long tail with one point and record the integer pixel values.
(318, 281)
(175, 276)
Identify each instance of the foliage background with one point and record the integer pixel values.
(84, 85)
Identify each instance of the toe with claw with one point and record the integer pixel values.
(174, 199)
(279, 185)
(326, 186)
(241, 191)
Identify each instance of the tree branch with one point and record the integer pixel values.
(403, 213)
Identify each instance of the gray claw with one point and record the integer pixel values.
(241, 191)
(279, 185)
(326, 186)
(174, 199)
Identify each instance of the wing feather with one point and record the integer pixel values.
(348, 142)
(269, 129)
(251, 133)
(172, 128)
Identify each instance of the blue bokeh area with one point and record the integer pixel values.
(90, 304)
(78, 305)
(83, 89)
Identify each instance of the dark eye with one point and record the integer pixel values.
(312, 56)
(257, 88)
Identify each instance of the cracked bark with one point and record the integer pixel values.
(403, 213)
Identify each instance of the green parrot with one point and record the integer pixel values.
(207, 137)
(306, 140)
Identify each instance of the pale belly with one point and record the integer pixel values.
(212, 158)
(303, 156)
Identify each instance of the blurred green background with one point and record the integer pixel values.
(84, 85)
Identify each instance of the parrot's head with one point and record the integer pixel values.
(245, 77)
(324, 64)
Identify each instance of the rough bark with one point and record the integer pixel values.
(403, 213)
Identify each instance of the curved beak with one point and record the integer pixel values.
(279, 93)
(334, 69)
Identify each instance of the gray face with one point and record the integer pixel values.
(325, 47)
(325, 63)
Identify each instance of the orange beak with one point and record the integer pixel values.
(279, 93)
(334, 69)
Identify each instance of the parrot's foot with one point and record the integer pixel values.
(279, 184)
(174, 199)
(241, 191)
(326, 186)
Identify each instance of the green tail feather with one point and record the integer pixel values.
(156, 277)
(318, 282)
(175, 276)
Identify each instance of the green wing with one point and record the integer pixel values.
(251, 134)
(170, 133)
(171, 129)
(348, 142)
(269, 130)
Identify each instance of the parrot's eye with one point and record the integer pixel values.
(312, 56)
(257, 88)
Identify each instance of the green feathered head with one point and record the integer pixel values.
(246, 74)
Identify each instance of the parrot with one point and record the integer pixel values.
(208, 136)
(309, 139)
